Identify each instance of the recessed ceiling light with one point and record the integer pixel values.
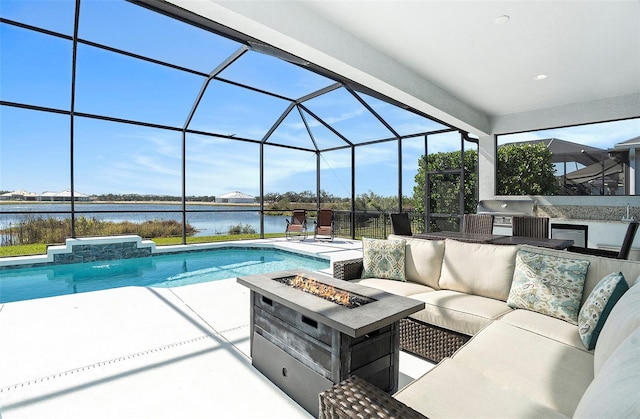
(540, 77)
(502, 19)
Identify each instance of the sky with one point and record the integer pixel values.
(113, 157)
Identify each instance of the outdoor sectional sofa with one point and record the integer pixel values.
(507, 338)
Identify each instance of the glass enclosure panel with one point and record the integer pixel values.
(144, 32)
(349, 117)
(287, 170)
(377, 177)
(217, 166)
(115, 158)
(589, 159)
(34, 151)
(274, 75)
(118, 86)
(54, 15)
(292, 132)
(36, 68)
(230, 110)
(412, 156)
(401, 120)
(323, 136)
(335, 176)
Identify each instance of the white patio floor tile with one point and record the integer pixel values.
(144, 353)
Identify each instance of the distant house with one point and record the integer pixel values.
(63, 196)
(236, 197)
(19, 196)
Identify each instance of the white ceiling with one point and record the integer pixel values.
(453, 61)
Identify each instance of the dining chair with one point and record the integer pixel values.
(400, 224)
(624, 251)
(527, 226)
(477, 223)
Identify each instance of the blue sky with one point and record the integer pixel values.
(124, 158)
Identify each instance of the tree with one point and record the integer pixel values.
(525, 169)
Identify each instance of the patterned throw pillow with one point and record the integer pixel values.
(549, 285)
(383, 259)
(596, 308)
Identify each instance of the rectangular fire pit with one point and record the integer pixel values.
(309, 331)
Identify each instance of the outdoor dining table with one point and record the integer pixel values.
(497, 239)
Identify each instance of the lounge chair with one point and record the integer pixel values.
(297, 226)
(324, 225)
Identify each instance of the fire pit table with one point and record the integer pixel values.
(310, 331)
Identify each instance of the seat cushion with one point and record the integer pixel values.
(548, 326)
(451, 390)
(549, 372)
(457, 311)
(404, 289)
(423, 260)
(480, 269)
(614, 390)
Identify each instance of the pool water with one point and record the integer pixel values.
(172, 270)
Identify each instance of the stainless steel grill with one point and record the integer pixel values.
(504, 210)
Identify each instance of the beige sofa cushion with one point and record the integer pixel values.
(479, 269)
(549, 372)
(614, 391)
(394, 287)
(451, 390)
(623, 320)
(598, 268)
(550, 327)
(462, 313)
(423, 259)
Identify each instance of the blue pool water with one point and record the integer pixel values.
(164, 271)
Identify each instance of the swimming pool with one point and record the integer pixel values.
(164, 271)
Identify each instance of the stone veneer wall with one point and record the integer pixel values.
(588, 212)
(94, 252)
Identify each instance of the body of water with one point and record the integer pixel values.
(207, 223)
(162, 271)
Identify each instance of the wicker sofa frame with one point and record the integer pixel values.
(425, 340)
(356, 398)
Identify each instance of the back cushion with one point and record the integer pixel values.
(622, 321)
(480, 269)
(599, 267)
(424, 261)
(613, 393)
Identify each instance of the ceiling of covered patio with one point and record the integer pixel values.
(471, 64)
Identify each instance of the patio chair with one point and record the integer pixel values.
(477, 223)
(526, 226)
(625, 249)
(400, 224)
(298, 225)
(324, 225)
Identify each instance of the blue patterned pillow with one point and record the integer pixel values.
(383, 259)
(596, 308)
(549, 285)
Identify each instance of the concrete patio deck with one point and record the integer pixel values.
(139, 352)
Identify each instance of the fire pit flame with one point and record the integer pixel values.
(328, 292)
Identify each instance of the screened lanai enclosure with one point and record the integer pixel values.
(113, 101)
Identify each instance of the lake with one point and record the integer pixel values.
(217, 221)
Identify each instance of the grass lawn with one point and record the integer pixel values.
(41, 248)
